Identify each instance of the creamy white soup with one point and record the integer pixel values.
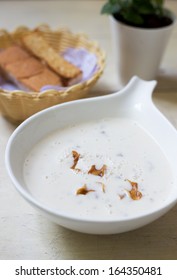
(107, 169)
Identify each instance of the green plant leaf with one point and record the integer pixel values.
(158, 3)
(133, 11)
(132, 17)
(168, 13)
(108, 8)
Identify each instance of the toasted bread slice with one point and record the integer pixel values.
(37, 45)
(46, 77)
(12, 54)
(25, 68)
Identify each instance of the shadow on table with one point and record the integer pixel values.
(155, 241)
(167, 81)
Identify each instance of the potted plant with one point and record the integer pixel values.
(140, 30)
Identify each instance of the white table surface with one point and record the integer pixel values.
(24, 233)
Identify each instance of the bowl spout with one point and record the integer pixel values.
(138, 90)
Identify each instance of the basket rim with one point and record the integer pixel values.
(98, 51)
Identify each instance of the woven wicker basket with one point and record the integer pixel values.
(19, 105)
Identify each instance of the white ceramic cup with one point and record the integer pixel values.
(138, 51)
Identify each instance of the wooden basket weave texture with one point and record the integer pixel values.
(19, 105)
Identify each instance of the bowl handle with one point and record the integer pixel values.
(138, 90)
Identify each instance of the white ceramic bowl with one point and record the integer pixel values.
(134, 102)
